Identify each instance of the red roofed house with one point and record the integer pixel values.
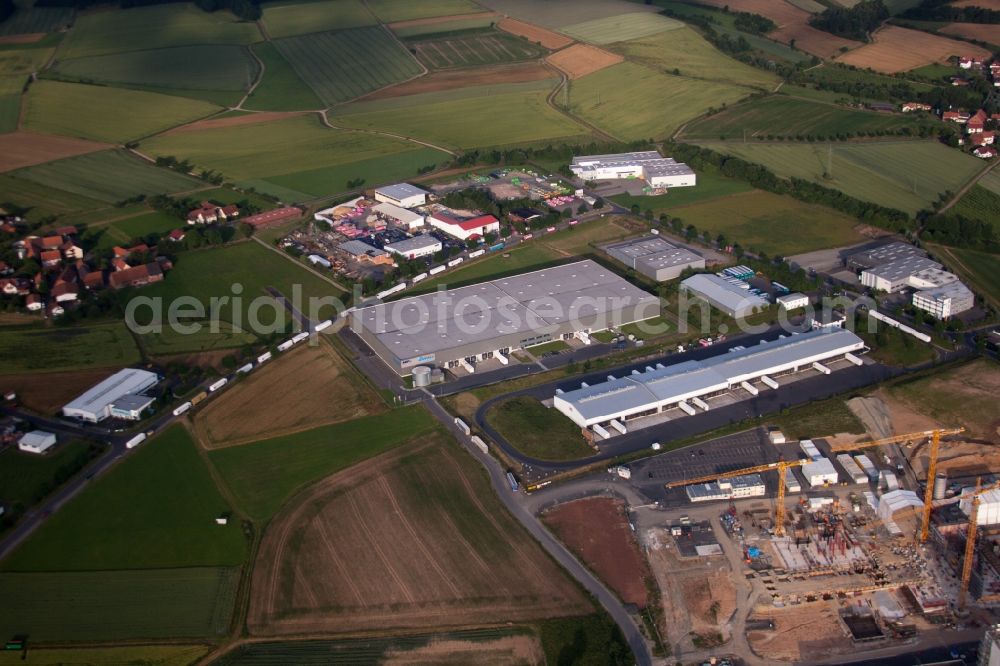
(177, 235)
(976, 123)
(12, 286)
(915, 106)
(955, 116)
(985, 152)
(66, 231)
(465, 229)
(65, 291)
(56, 310)
(33, 302)
(70, 250)
(119, 264)
(983, 138)
(208, 212)
(94, 280)
(136, 277)
(51, 258)
(968, 63)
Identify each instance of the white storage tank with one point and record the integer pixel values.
(421, 376)
(940, 486)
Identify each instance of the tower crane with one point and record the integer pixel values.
(781, 467)
(935, 437)
(970, 538)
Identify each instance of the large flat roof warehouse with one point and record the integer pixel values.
(723, 294)
(649, 165)
(473, 323)
(402, 194)
(95, 404)
(663, 387)
(654, 257)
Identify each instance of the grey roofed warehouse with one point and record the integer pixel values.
(654, 257)
(477, 322)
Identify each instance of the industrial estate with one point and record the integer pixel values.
(506, 332)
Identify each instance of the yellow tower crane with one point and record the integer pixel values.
(781, 466)
(935, 437)
(970, 538)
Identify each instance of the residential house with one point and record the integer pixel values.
(985, 152)
(50, 258)
(15, 286)
(65, 292)
(209, 212)
(983, 139)
(960, 117)
(977, 123)
(93, 280)
(970, 63)
(177, 235)
(56, 310)
(71, 251)
(67, 231)
(915, 106)
(33, 303)
(137, 276)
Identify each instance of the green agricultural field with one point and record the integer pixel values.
(41, 199)
(169, 342)
(106, 114)
(991, 181)
(979, 203)
(110, 175)
(538, 431)
(123, 231)
(621, 28)
(340, 66)
(630, 101)
(429, 29)
(213, 272)
(908, 175)
(26, 478)
(290, 18)
(779, 115)
(156, 509)
(23, 62)
(10, 112)
(474, 50)
(264, 475)
(501, 118)
(978, 269)
(28, 20)
(81, 606)
(34, 349)
(388, 11)
(686, 50)
(711, 185)
(154, 27)
(281, 89)
(771, 223)
(215, 72)
(147, 655)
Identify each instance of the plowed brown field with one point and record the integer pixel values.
(781, 12)
(534, 33)
(22, 149)
(47, 392)
(463, 78)
(985, 4)
(411, 539)
(896, 49)
(811, 40)
(582, 59)
(983, 32)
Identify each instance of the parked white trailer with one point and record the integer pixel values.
(418, 277)
(749, 388)
(135, 441)
(217, 385)
(244, 369)
(619, 426)
(455, 262)
(854, 472)
(286, 345)
(323, 325)
(299, 337)
(700, 404)
(180, 409)
(436, 270)
(819, 367)
(463, 426)
(480, 444)
(266, 356)
(597, 428)
(865, 463)
(477, 253)
(853, 359)
(688, 409)
(770, 382)
(390, 291)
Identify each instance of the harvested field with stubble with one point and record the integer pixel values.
(597, 531)
(812, 41)
(408, 540)
(983, 32)
(46, 393)
(22, 149)
(896, 49)
(534, 33)
(581, 59)
(302, 389)
(781, 12)
(456, 79)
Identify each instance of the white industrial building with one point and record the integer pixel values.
(476, 227)
(130, 407)
(648, 165)
(792, 301)
(666, 387)
(723, 294)
(403, 195)
(36, 441)
(989, 506)
(750, 485)
(892, 502)
(944, 302)
(95, 404)
(392, 213)
(654, 257)
(416, 247)
(820, 473)
(853, 470)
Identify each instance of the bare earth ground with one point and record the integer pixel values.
(597, 531)
(462, 78)
(689, 587)
(801, 632)
(28, 38)
(582, 59)
(534, 33)
(898, 49)
(811, 40)
(235, 121)
(304, 388)
(983, 32)
(410, 539)
(434, 20)
(21, 149)
(985, 4)
(47, 392)
(507, 651)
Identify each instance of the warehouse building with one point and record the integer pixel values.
(884, 254)
(95, 404)
(654, 257)
(820, 473)
(393, 214)
(915, 272)
(36, 441)
(461, 327)
(648, 165)
(750, 485)
(403, 195)
(665, 387)
(724, 295)
(363, 252)
(944, 302)
(792, 301)
(130, 407)
(416, 247)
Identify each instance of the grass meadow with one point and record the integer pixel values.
(630, 101)
(25, 478)
(978, 269)
(288, 19)
(264, 475)
(538, 431)
(111, 175)
(388, 11)
(711, 185)
(106, 114)
(35, 349)
(908, 175)
(41, 199)
(621, 28)
(281, 89)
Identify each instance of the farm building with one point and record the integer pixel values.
(403, 195)
(723, 295)
(792, 301)
(648, 165)
(362, 251)
(654, 257)
(136, 276)
(418, 246)
(460, 327)
(661, 388)
(945, 301)
(476, 227)
(396, 215)
(131, 406)
(751, 485)
(36, 441)
(95, 404)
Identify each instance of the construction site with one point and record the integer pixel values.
(837, 545)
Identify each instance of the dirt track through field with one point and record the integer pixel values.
(533, 33)
(582, 59)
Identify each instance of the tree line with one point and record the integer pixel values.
(856, 22)
(248, 10)
(941, 10)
